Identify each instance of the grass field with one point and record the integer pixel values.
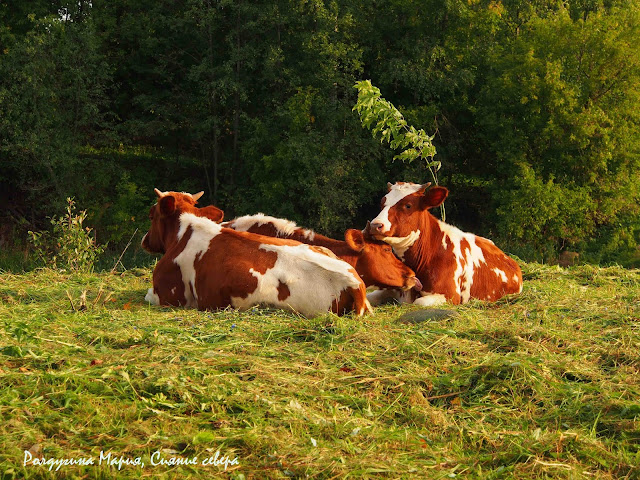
(542, 385)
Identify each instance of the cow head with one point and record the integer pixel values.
(377, 265)
(164, 216)
(402, 208)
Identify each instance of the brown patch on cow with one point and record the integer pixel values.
(267, 229)
(344, 303)
(167, 277)
(487, 284)
(225, 269)
(283, 291)
(263, 260)
(436, 272)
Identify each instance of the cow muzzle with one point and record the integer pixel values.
(376, 227)
(377, 230)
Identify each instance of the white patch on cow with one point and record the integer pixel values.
(173, 291)
(309, 234)
(243, 224)
(151, 297)
(500, 273)
(466, 261)
(400, 245)
(397, 193)
(203, 231)
(517, 280)
(315, 281)
(430, 300)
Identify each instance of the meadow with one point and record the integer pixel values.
(541, 385)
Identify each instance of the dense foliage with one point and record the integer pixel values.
(534, 107)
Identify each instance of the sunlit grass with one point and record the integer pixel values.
(543, 385)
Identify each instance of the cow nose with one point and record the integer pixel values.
(376, 226)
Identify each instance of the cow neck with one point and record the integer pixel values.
(171, 231)
(339, 247)
(326, 242)
(420, 255)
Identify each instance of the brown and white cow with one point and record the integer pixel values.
(452, 265)
(372, 259)
(208, 267)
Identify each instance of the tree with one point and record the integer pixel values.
(52, 82)
(560, 121)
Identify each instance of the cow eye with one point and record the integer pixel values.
(408, 206)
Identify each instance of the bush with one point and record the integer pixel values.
(70, 245)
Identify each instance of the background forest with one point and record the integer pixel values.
(535, 107)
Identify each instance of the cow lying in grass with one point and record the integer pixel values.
(372, 259)
(208, 267)
(452, 265)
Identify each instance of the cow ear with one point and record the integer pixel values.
(433, 197)
(212, 213)
(167, 205)
(355, 239)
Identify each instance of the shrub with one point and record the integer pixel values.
(70, 245)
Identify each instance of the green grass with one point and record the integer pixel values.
(542, 385)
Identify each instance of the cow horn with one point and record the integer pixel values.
(367, 230)
(425, 186)
(159, 193)
(196, 196)
(389, 185)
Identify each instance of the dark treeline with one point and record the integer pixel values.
(535, 106)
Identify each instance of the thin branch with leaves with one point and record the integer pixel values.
(384, 119)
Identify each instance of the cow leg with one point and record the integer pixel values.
(352, 299)
(361, 305)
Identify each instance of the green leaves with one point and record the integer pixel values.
(70, 245)
(384, 120)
